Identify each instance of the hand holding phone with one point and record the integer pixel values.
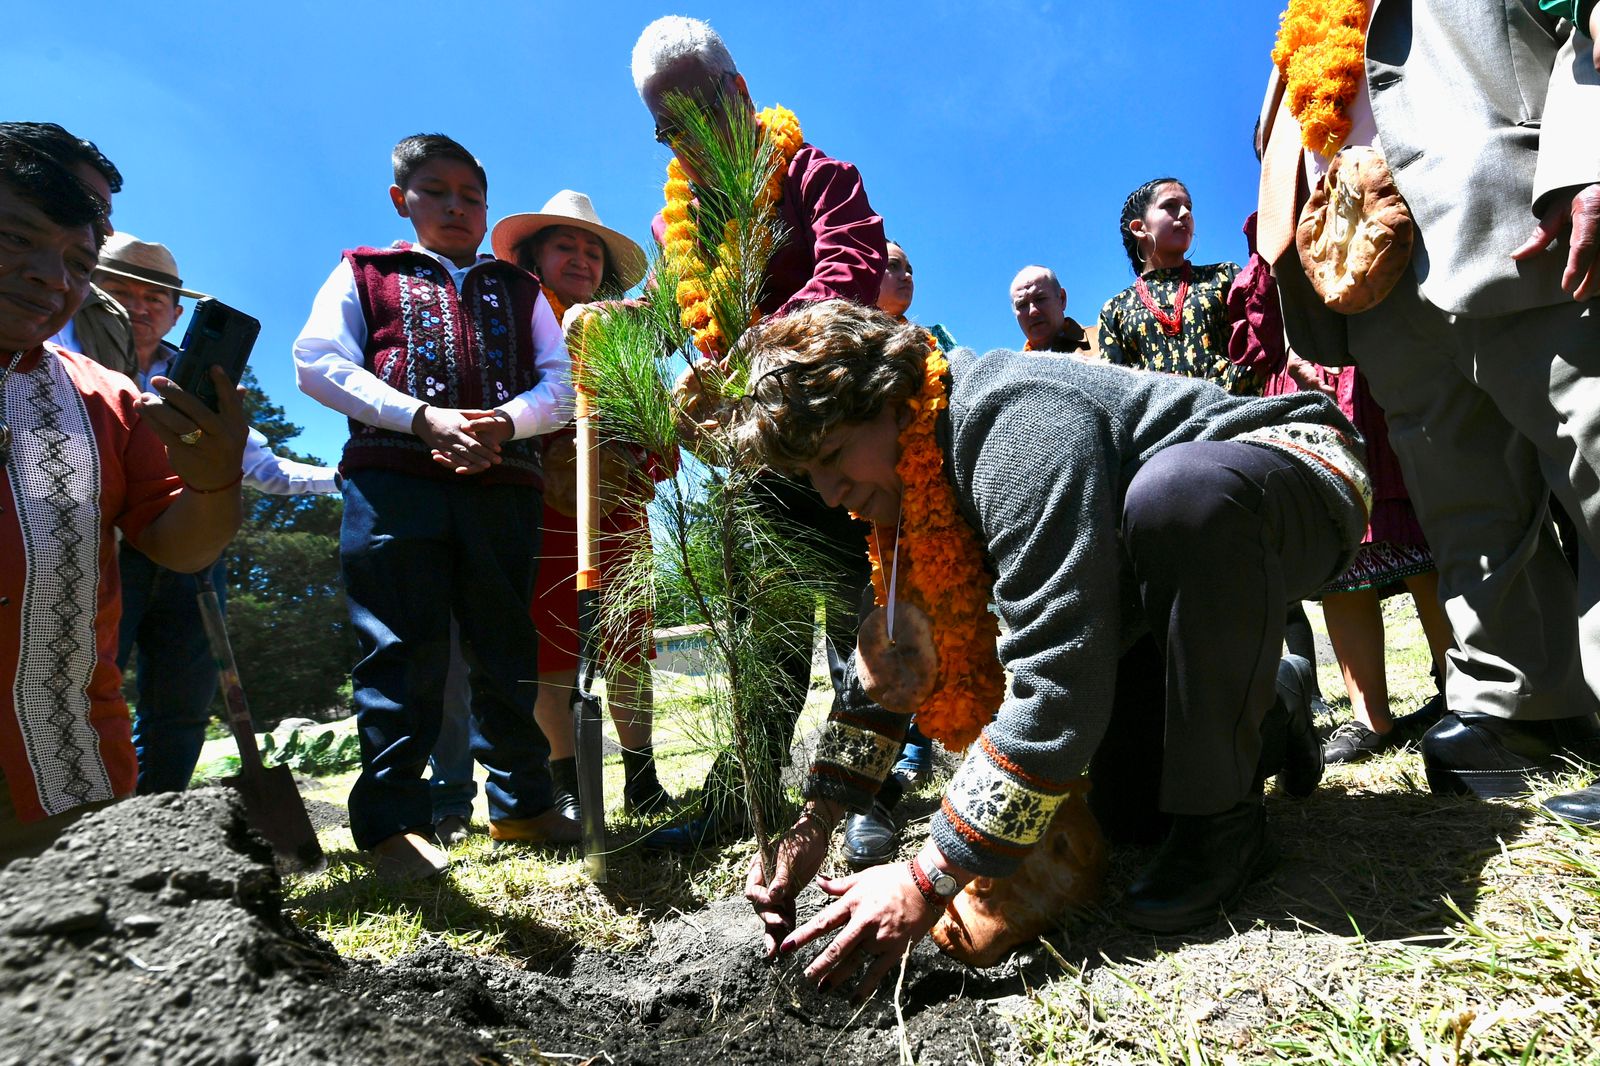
(218, 335)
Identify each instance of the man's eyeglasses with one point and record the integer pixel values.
(669, 133)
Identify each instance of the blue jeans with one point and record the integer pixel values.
(414, 552)
(451, 787)
(177, 674)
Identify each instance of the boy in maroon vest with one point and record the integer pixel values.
(447, 364)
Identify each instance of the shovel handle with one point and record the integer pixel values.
(239, 722)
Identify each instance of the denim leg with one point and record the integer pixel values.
(451, 786)
(396, 552)
(496, 540)
(177, 673)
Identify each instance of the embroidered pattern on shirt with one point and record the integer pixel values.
(54, 470)
(1325, 450)
(859, 751)
(491, 328)
(1002, 808)
(429, 372)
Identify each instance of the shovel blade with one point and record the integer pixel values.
(587, 736)
(273, 808)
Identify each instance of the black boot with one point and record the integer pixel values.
(1203, 867)
(1302, 756)
(642, 794)
(564, 773)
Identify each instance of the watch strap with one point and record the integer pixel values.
(924, 885)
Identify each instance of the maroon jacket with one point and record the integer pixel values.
(835, 250)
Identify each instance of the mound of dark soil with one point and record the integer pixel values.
(153, 933)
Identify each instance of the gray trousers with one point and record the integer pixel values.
(1488, 417)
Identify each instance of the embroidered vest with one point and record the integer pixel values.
(471, 350)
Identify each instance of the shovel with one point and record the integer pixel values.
(586, 716)
(272, 804)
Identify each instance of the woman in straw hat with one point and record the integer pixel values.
(578, 259)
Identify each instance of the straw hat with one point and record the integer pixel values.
(568, 208)
(127, 256)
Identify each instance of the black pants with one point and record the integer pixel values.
(844, 577)
(415, 552)
(1220, 536)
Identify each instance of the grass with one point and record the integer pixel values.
(1395, 927)
(531, 907)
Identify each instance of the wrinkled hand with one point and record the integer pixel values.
(457, 439)
(882, 915)
(217, 456)
(799, 857)
(1308, 376)
(695, 397)
(1581, 216)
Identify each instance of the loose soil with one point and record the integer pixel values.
(154, 932)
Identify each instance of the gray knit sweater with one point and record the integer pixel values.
(1041, 450)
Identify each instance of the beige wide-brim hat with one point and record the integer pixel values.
(127, 256)
(568, 208)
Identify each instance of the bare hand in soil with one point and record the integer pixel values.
(883, 915)
(799, 857)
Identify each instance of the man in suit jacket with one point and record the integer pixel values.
(1485, 357)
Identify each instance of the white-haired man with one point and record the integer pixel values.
(835, 250)
(1039, 301)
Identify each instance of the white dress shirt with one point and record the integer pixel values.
(330, 362)
(264, 469)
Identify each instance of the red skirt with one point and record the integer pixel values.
(555, 590)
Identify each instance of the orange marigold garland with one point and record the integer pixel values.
(681, 241)
(942, 569)
(1321, 55)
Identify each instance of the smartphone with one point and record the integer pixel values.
(218, 335)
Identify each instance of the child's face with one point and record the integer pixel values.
(1169, 222)
(446, 205)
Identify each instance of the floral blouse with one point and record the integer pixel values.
(1131, 336)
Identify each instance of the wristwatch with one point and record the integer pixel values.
(936, 886)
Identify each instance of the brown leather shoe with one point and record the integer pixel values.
(409, 856)
(550, 827)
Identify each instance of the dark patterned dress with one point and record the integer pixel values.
(1131, 336)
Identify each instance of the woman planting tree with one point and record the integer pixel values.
(1062, 479)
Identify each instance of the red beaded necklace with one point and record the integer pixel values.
(1171, 322)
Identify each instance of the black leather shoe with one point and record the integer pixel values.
(1582, 806)
(1202, 869)
(564, 776)
(1411, 728)
(1478, 754)
(1302, 755)
(869, 839)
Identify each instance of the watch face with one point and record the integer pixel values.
(944, 884)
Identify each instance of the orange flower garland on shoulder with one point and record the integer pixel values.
(681, 241)
(1321, 55)
(942, 571)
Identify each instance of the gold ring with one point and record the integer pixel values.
(191, 437)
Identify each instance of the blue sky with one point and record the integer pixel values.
(254, 139)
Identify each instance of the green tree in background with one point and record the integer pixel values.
(286, 610)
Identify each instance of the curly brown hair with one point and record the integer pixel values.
(831, 363)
